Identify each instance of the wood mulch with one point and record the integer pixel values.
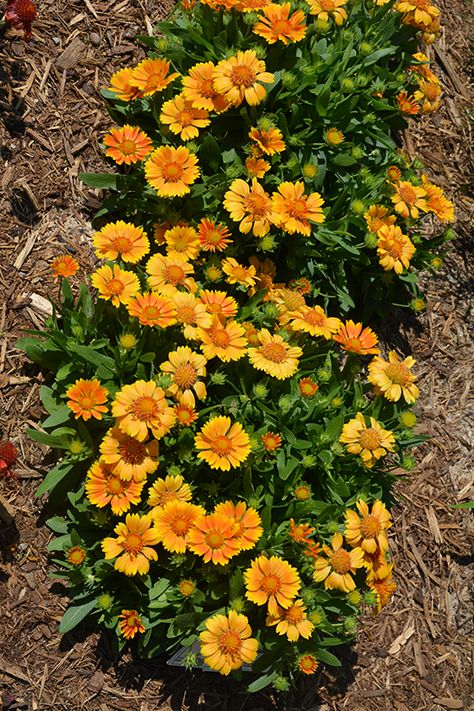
(417, 655)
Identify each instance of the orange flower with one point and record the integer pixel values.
(174, 522)
(393, 174)
(377, 216)
(129, 458)
(214, 538)
(294, 210)
(219, 303)
(199, 90)
(182, 242)
(249, 205)
(313, 320)
(237, 273)
(409, 199)
(226, 642)
(76, 555)
(407, 104)
(275, 356)
(273, 581)
(140, 406)
(128, 144)
(190, 312)
(213, 236)
(271, 141)
(308, 387)
(171, 171)
(151, 76)
(240, 78)
(256, 167)
(118, 285)
(165, 272)
(64, 266)
(382, 584)
(370, 443)
(334, 137)
(121, 238)
(104, 487)
(183, 118)
(152, 309)
(300, 532)
(437, 202)
(368, 532)
(323, 9)
(221, 444)
(293, 622)
(185, 414)
(122, 88)
(307, 664)
(185, 369)
(271, 441)
(132, 545)
(356, 339)
(394, 249)
(87, 398)
(249, 528)
(172, 488)
(278, 25)
(303, 492)
(130, 623)
(337, 567)
(187, 587)
(222, 340)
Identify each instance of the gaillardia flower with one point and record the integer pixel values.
(248, 521)
(214, 538)
(249, 205)
(118, 285)
(130, 623)
(356, 339)
(87, 398)
(140, 406)
(337, 568)
(121, 239)
(226, 643)
(368, 532)
(132, 547)
(370, 443)
(64, 266)
(172, 488)
(394, 378)
(292, 622)
(127, 145)
(241, 78)
(275, 356)
(221, 444)
(129, 457)
(173, 523)
(277, 24)
(394, 249)
(151, 76)
(104, 487)
(273, 581)
(294, 210)
(171, 171)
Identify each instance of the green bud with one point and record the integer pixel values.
(260, 51)
(337, 449)
(105, 601)
(307, 596)
(260, 391)
(244, 399)
(323, 375)
(190, 660)
(408, 419)
(449, 234)
(418, 305)
(163, 380)
(333, 527)
(354, 597)
(294, 141)
(365, 48)
(408, 462)
(294, 163)
(360, 403)
(370, 598)
(254, 502)
(271, 311)
(362, 80)
(308, 461)
(436, 263)
(322, 25)
(281, 683)
(347, 84)
(416, 239)
(217, 378)
(401, 78)
(347, 34)
(370, 118)
(289, 80)
(233, 170)
(192, 148)
(370, 240)
(337, 402)
(285, 403)
(357, 152)
(76, 447)
(350, 625)
(238, 604)
(162, 45)
(308, 70)
(267, 243)
(358, 207)
(265, 123)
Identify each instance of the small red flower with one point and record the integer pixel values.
(8, 457)
(20, 15)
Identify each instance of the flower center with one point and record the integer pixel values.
(242, 75)
(151, 312)
(181, 525)
(128, 147)
(294, 615)
(307, 663)
(144, 408)
(86, 402)
(185, 375)
(172, 172)
(370, 439)
(280, 27)
(115, 286)
(174, 274)
(185, 118)
(398, 373)
(271, 584)
(184, 416)
(407, 194)
(353, 344)
(213, 237)
(340, 561)
(222, 445)
(230, 643)
(122, 244)
(185, 314)
(219, 337)
(257, 205)
(327, 5)
(133, 543)
(276, 352)
(315, 318)
(114, 486)
(132, 621)
(214, 539)
(297, 208)
(132, 451)
(370, 526)
(395, 249)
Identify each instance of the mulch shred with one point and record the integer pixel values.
(417, 655)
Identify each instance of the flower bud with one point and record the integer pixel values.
(370, 240)
(365, 48)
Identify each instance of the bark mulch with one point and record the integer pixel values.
(417, 655)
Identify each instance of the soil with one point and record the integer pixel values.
(417, 655)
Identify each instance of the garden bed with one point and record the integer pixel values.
(414, 655)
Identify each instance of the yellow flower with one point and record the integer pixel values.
(323, 9)
(368, 532)
(151, 76)
(130, 458)
(182, 242)
(214, 537)
(394, 378)
(333, 136)
(437, 202)
(121, 239)
(337, 568)
(238, 274)
(165, 272)
(382, 584)
(140, 406)
(222, 340)
(105, 487)
(277, 24)
(221, 444)
(118, 285)
(249, 528)
(313, 320)
(249, 205)
(171, 171)
(183, 118)
(273, 581)
(172, 488)
(241, 78)
(294, 210)
(132, 547)
(199, 90)
(409, 199)
(185, 368)
(394, 249)
(127, 145)
(226, 643)
(268, 141)
(122, 88)
(275, 356)
(173, 523)
(370, 443)
(377, 216)
(293, 622)
(152, 309)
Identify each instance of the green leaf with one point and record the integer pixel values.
(62, 414)
(327, 658)
(75, 614)
(57, 524)
(159, 588)
(464, 505)
(105, 181)
(90, 355)
(48, 439)
(262, 682)
(53, 478)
